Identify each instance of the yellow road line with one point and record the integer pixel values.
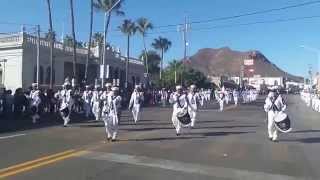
(38, 163)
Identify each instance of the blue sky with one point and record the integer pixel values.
(280, 42)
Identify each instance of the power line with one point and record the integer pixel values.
(245, 14)
(244, 24)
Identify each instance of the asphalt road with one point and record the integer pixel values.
(224, 145)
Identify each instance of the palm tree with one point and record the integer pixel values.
(89, 42)
(128, 28)
(108, 7)
(51, 42)
(143, 25)
(163, 45)
(74, 40)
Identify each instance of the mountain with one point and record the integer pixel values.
(227, 62)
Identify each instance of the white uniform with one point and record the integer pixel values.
(35, 102)
(114, 105)
(87, 97)
(96, 109)
(66, 103)
(193, 99)
(135, 103)
(220, 98)
(179, 102)
(235, 97)
(273, 105)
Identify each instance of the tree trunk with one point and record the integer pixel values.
(107, 18)
(51, 44)
(74, 41)
(127, 61)
(161, 63)
(145, 54)
(89, 42)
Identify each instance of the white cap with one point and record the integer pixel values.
(137, 86)
(115, 89)
(97, 86)
(193, 86)
(108, 85)
(178, 87)
(34, 84)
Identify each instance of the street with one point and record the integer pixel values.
(223, 145)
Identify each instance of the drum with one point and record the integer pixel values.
(183, 116)
(282, 122)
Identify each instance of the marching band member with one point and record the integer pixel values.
(66, 104)
(87, 97)
(235, 97)
(193, 99)
(105, 106)
(221, 98)
(35, 102)
(135, 103)
(179, 101)
(274, 104)
(114, 104)
(96, 109)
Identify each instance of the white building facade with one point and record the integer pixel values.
(18, 60)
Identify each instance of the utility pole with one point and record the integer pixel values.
(38, 52)
(184, 31)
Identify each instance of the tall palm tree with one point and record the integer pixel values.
(128, 28)
(108, 7)
(89, 42)
(51, 42)
(143, 25)
(74, 40)
(163, 45)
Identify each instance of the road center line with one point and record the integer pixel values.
(29, 165)
(219, 172)
(12, 136)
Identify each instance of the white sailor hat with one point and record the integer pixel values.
(87, 86)
(108, 85)
(34, 84)
(178, 87)
(193, 86)
(96, 86)
(115, 88)
(137, 86)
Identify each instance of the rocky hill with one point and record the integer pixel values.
(224, 61)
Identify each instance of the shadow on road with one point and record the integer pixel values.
(223, 133)
(225, 127)
(306, 131)
(313, 140)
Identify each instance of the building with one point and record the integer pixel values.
(18, 60)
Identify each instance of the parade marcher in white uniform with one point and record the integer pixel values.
(193, 100)
(235, 96)
(96, 107)
(87, 97)
(114, 104)
(66, 103)
(135, 103)
(274, 104)
(221, 98)
(105, 111)
(179, 101)
(35, 102)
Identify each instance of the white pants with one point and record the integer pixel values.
(111, 125)
(235, 100)
(66, 119)
(87, 109)
(193, 115)
(96, 110)
(136, 112)
(221, 103)
(272, 130)
(176, 123)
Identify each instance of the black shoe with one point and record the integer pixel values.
(108, 139)
(178, 134)
(275, 141)
(113, 140)
(270, 139)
